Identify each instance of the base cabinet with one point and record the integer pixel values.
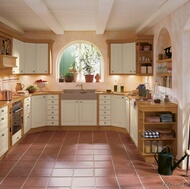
(4, 143)
(38, 111)
(118, 111)
(134, 123)
(161, 118)
(27, 114)
(78, 112)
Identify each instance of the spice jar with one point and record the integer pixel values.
(154, 146)
(147, 147)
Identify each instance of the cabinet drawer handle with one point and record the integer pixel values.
(2, 111)
(2, 118)
(2, 135)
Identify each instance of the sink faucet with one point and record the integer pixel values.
(80, 85)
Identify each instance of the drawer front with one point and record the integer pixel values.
(3, 110)
(105, 101)
(52, 122)
(26, 105)
(52, 97)
(52, 102)
(105, 107)
(3, 126)
(105, 118)
(104, 123)
(3, 119)
(52, 107)
(4, 141)
(50, 118)
(105, 97)
(52, 112)
(105, 112)
(16, 137)
(28, 99)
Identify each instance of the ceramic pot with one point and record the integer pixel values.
(19, 87)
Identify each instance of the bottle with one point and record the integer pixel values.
(115, 86)
(3, 47)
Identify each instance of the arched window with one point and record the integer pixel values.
(82, 58)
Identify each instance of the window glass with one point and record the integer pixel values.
(71, 61)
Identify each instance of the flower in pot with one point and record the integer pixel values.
(74, 69)
(89, 57)
(69, 77)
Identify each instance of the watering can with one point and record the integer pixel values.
(165, 161)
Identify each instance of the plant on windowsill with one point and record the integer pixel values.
(89, 57)
(69, 77)
(74, 69)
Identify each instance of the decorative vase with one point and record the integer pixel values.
(89, 78)
(19, 86)
(97, 77)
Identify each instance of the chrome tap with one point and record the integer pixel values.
(80, 85)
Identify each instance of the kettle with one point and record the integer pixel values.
(19, 86)
(165, 161)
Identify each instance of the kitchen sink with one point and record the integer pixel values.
(79, 94)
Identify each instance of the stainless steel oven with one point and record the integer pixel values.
(17, 116)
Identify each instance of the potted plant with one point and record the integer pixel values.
(69, 77)
(89, 57)
(74, 69)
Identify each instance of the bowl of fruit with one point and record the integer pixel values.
(31, 89)
(41, 84)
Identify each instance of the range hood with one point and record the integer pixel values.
(7, 61)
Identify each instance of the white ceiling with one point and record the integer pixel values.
(85, 15)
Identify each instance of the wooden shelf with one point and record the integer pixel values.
(164, 74)
(164, 60)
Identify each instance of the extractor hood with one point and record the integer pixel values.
(7, 61)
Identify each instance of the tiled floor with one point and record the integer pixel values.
(82, 160)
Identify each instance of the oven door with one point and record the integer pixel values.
(16, 120)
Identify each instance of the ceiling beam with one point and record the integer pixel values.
(40, 8)
(104, 9)
(11, 25)
(167, 8)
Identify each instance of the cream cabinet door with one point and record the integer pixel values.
(88, 112)
(69, 112)
(118, 112)
(42, 58)
(3, 141)
(38, 111)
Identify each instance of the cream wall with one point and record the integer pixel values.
(131, 82)
(180, 92)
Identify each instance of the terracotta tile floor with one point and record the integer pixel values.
(82, 160)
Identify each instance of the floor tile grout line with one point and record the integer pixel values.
(37, 161)
(132, 164)
(113, 163)
(17, 160)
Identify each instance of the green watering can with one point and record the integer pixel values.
(165, 161)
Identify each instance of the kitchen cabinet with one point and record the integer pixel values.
(146, 121)
(104, 110)
(52, 104)
(27, 114)
(32, 58)
(122, 57)
(78, 112)
(144, 55)
(18, 51)
(118, 111)
(4, 143)
(127, 114)
(134, 122)
(38, 111)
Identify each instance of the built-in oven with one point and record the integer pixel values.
(17, 116)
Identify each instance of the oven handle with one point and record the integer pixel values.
(20, 109)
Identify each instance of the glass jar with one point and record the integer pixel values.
(147, 147)
(154, 146)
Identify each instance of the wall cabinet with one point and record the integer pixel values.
(118, 111)
(32, 58)
(38, 111)
(79, 112)
(167, 128)
(144, 55)
(122, 58)
(4, 130)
